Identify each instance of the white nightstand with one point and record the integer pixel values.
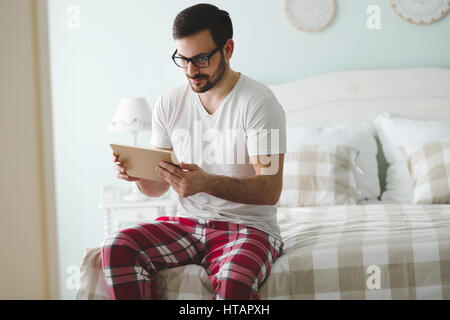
(117, 212)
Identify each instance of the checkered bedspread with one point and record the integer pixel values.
(373, 251)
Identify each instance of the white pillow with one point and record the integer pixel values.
(359, 135)
(395, 132)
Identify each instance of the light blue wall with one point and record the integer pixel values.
(123, 48)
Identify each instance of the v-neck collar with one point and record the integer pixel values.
(203, 109)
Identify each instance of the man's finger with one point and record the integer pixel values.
(123, 176)
(189, 166)
(119, 168)
(172, 169)
(168, 176)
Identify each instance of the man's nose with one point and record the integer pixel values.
(192, 70)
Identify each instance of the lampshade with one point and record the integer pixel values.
(132, 114)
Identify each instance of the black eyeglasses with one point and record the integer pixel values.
(200, 61)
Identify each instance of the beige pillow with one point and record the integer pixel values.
(429, 167)
(319, 175)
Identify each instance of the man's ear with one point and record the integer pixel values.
(228, 49)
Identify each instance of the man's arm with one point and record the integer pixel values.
(152, 188)
(264, 188)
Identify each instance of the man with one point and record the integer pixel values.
(226, 215)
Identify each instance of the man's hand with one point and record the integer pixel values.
(187, 181)
(122, 172)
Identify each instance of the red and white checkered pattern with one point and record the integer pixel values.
(237, 258)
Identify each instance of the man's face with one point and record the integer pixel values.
(201, 43)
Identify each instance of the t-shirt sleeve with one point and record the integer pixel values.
(160, 136)
(266, 128)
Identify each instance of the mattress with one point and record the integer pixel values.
(366, 251)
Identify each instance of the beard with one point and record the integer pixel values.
(210, 81)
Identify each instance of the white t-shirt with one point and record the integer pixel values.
(250, 121)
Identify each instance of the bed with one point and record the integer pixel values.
(387, 240)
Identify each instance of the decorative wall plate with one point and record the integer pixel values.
(309, 15)
(421, 11)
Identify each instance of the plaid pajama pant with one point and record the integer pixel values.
(236, 257)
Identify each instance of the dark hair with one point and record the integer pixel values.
(202, 17)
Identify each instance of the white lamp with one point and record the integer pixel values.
(132, 115)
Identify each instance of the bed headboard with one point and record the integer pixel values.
(416, 93)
